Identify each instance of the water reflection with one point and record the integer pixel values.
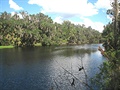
(40, 67)
(75, 50)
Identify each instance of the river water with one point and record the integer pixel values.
(45, 68)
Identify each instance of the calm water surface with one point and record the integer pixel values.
(43, 68)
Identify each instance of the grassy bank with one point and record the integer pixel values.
(10, 46)
(2, 47)
(38, 44)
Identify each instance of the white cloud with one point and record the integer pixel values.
(103, 4)
(73, 8)
(67, 7)
(14, 5)
(95, 25)
(13, 13)
(58, 19)
(98, 26)
(86, 21)
(109, 17)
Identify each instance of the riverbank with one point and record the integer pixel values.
(2, 47)
(10, 46)
(39, 45)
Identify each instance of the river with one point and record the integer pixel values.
(45, 68)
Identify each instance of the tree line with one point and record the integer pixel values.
(109, 76)
(110, 70)
(32, 29)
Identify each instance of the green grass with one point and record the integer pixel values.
(10, 46)
(2, 47)
(38, 44)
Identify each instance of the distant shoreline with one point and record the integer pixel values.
(39, 45)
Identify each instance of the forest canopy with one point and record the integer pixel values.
(32, 29)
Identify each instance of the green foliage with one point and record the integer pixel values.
(39, 28)
(109, 76)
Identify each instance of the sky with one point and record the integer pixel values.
(88, 12)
